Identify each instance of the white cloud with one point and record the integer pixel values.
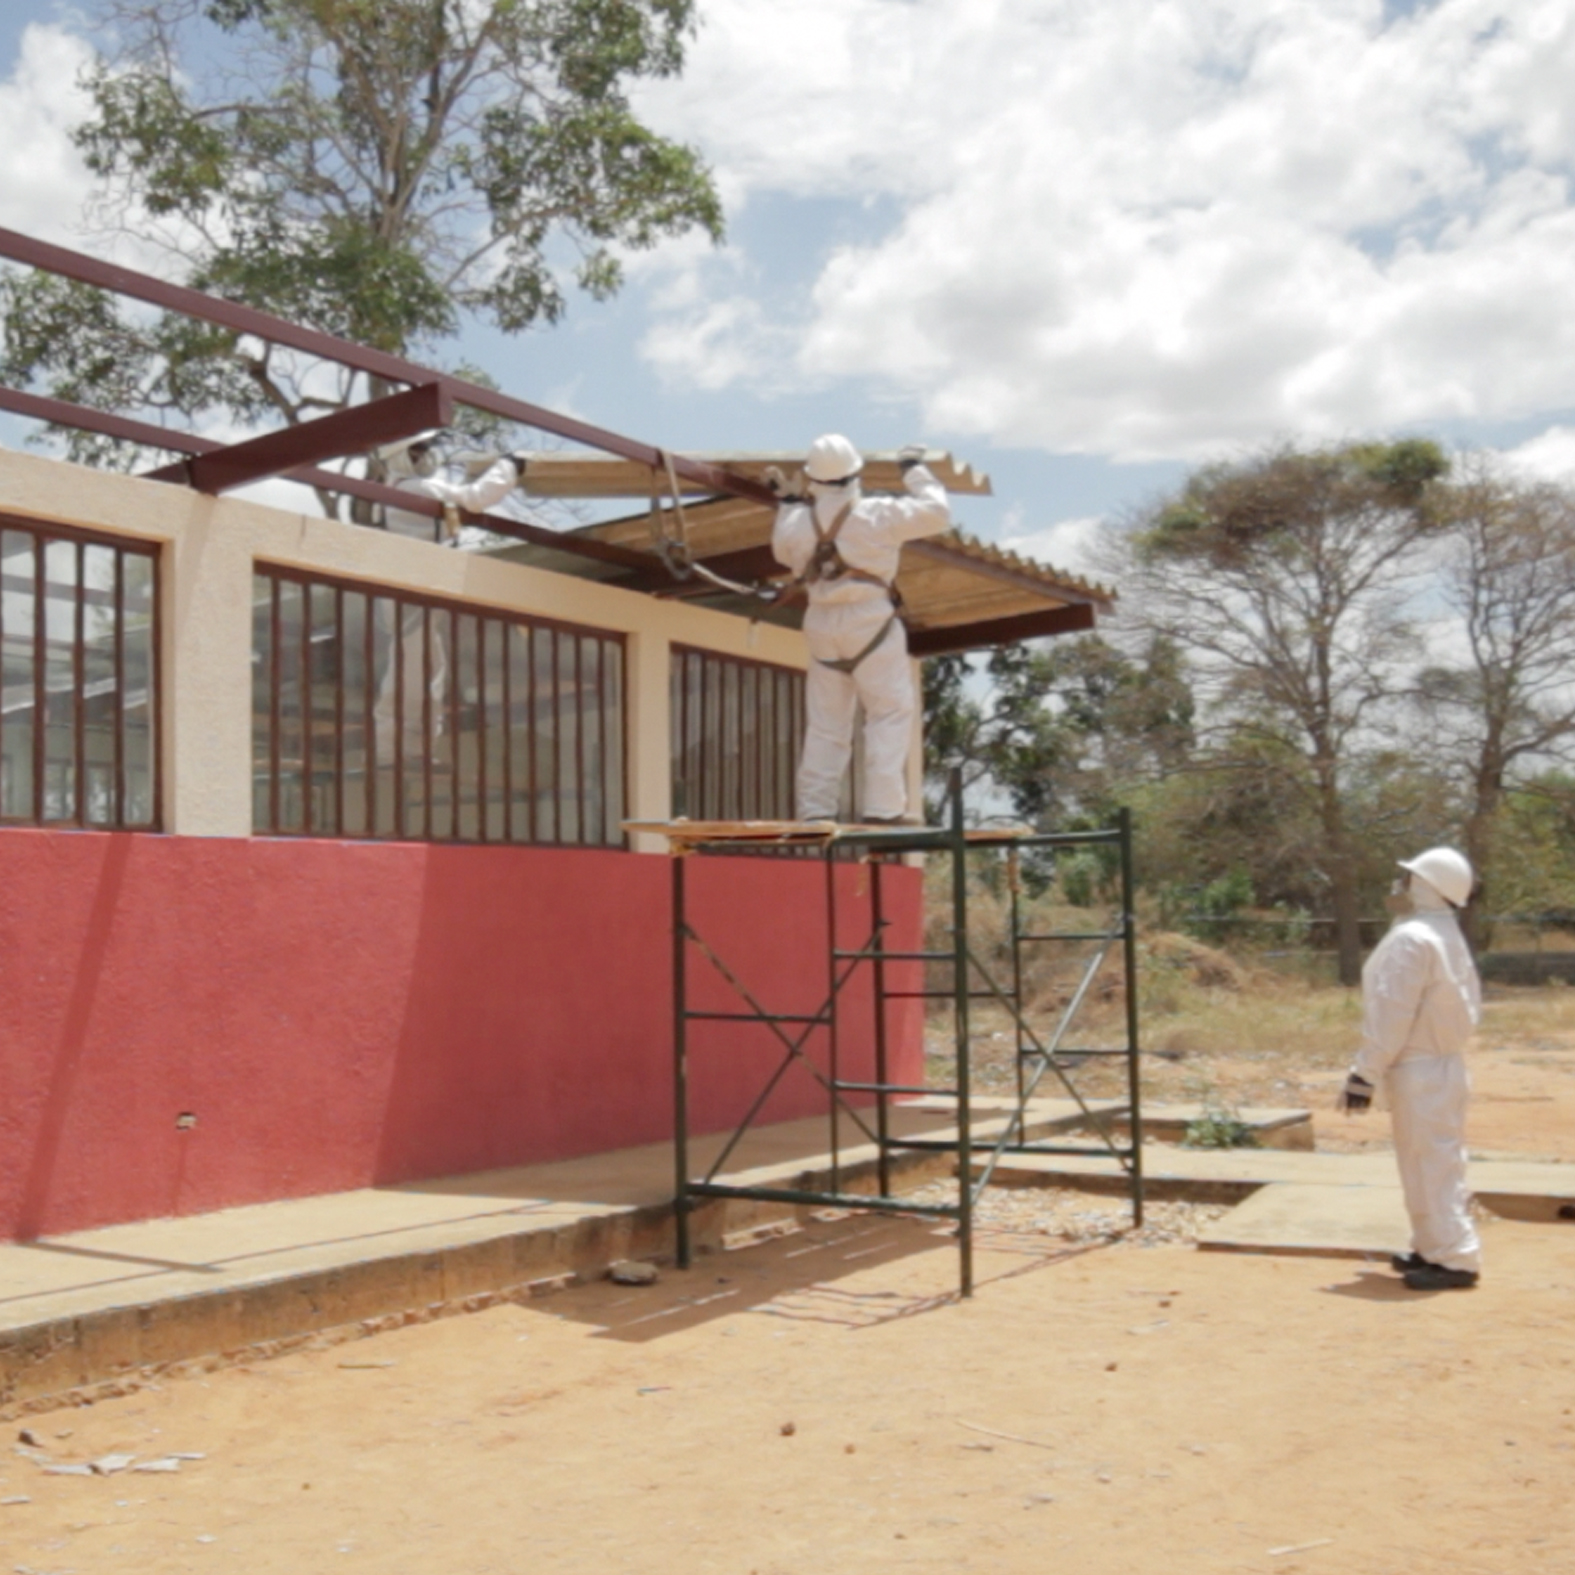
(1069, 545)
(1151, 228)
(43, 182)
(1550, 456)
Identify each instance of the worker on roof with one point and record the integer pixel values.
(843, 549)
(414, 465)
(1420, 1000)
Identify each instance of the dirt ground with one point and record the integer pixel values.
(824, 1405)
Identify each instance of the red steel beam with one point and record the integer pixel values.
(61, 412)
(377, 363)
(357, 430)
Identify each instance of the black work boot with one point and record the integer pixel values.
(1435, 1277)
(1400, 1262)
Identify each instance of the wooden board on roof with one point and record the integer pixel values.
(556, 474)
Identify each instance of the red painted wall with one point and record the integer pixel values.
(341, 1014)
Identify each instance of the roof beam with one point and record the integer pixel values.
(377, 363)
(1000, 631)
(358, 430)
(60, 412)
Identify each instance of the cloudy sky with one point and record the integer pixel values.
(1084, 243)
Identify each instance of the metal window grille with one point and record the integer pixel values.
(736, 727)
(79, 713)
(386, 715)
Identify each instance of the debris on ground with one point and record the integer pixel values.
(629, 1272)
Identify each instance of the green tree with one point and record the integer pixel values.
(1283, 577)
(1508, 705)
(1058, 727)
(382, 170)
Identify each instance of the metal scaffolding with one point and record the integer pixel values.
(1041, 1051)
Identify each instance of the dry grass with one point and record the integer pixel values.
(1216, 1028)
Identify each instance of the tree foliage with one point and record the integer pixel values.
(1284, 578)
(382, 170)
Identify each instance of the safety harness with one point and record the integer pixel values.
(827, 563)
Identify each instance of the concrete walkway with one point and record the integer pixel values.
(95, 1309)
(98, 1311)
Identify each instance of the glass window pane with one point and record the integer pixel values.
(612, 669)
(262, 702)
(291, 807)
(467, 738)
(521, 778)
(61, 695)
(749, 743)
(443, 714)
(570, 775)
(389, 708)
(593, 803)
(413, 675)
(770, 802)
(323, 716)
(139, 692)
(494, 729)
(545, 655)
(711, 739)
(100, 685)
(357, 821)
(18, 675)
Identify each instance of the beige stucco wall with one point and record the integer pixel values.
(206, 589)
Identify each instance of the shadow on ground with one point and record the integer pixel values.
(803, 1278)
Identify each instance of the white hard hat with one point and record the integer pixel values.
(1447, 872)
(832, 459)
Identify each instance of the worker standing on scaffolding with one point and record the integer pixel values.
(844, 548)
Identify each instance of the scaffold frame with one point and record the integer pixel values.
(1038, 1054)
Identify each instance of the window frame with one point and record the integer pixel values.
(409, 823)
(711, 741)
(44, 531)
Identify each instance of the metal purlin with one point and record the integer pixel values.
(1036, 1055)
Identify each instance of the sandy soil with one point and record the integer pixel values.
(823, 1405)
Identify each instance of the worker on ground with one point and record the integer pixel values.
(415, 466)
(843, 548)
(1421, 998)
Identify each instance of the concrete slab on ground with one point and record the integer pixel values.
(1322, 1221)
(1521, 1189)
(1274, 1127)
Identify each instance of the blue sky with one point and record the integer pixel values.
(1085, 247)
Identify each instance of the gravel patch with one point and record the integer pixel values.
(1080, 1217)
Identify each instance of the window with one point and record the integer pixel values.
(78, 680)
(387, 715)
(736, 728)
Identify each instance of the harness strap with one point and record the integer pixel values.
(846, 664)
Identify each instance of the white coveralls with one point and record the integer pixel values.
(493, 485)
(844, 615)
(1421, 998)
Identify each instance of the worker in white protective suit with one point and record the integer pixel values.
(1421, 998)
(843, 548)
(414, 466)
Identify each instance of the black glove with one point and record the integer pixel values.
(1356, 1096)
(909, 456)
(519, 465)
